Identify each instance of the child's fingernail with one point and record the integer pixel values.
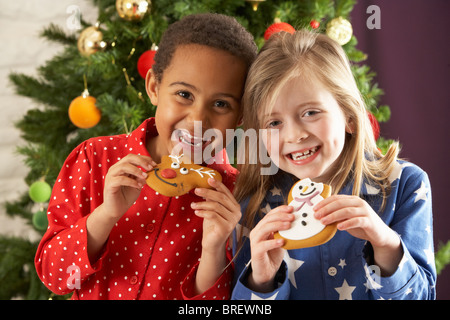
(193, 205)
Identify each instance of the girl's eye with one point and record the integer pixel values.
(310, 113)
(273, 124)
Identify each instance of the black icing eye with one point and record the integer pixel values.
(175, 165)
(184, 171)
(312, 184)
(300, 187)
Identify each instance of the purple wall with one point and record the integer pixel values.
(411, 56)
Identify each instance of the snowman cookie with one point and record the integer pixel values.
(306, 231)
(173, 177)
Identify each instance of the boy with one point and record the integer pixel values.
(110, 236)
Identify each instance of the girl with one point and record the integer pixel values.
(110, 236)
(302, 86)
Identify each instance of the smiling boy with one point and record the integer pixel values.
(116, 237)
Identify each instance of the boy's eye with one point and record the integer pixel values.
(221, 104)
(184, 94)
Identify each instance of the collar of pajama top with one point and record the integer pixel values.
(153, 250)
(342, 268)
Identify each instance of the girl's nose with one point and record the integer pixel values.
(168, 173)
(296, 134)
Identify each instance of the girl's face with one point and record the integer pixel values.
(311, 128)
(201, 89)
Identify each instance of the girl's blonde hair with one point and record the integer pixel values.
(314, 56)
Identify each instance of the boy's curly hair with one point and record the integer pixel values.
(209, 29)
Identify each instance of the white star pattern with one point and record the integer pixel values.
(293, 265)
(276, 191)
(342, 263)
(266, 209)
(429, 254)
(402, 262)
(421, 192)
(345, 291)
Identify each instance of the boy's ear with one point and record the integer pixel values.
(151, 86)
(240, 122)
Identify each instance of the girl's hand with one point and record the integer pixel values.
(221, 214)
(354, 215)
(357, 217)
(267, 253)
(123, 184)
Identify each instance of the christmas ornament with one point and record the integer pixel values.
(40, 221)
(145, 61)
(40, 191)
(340, 30)
(133, 10)
(314, 24)
(375, 125)
(90, 41)
(82, 111)
(255, 3)
(278, 27)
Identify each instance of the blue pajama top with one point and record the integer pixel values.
(341, 268)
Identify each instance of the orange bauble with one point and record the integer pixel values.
(83, 113)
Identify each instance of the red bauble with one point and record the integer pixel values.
(314, 24)
(278, 27)
(145, 62)
(375, 125)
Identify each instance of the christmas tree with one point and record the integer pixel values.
(96, 87)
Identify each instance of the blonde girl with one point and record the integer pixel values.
(301, 85)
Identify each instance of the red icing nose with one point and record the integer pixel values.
(168, 173)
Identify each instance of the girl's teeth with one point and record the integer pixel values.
(303, 155)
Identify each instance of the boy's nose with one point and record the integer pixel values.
(199, 113)
(168, 173)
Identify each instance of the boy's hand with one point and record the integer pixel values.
(221, 213)
(123, 184)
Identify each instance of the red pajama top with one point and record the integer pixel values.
(152, 252)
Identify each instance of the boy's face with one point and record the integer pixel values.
(201, 89)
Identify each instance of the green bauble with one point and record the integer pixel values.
(40, 191)
(40, 221)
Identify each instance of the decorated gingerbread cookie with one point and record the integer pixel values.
(306, 231)
(172, 177)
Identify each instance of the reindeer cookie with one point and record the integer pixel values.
(306, 231)
(172, 177)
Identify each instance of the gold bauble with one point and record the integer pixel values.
(255, 3)
(340, 30)
(90, 41)
(133, 10)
